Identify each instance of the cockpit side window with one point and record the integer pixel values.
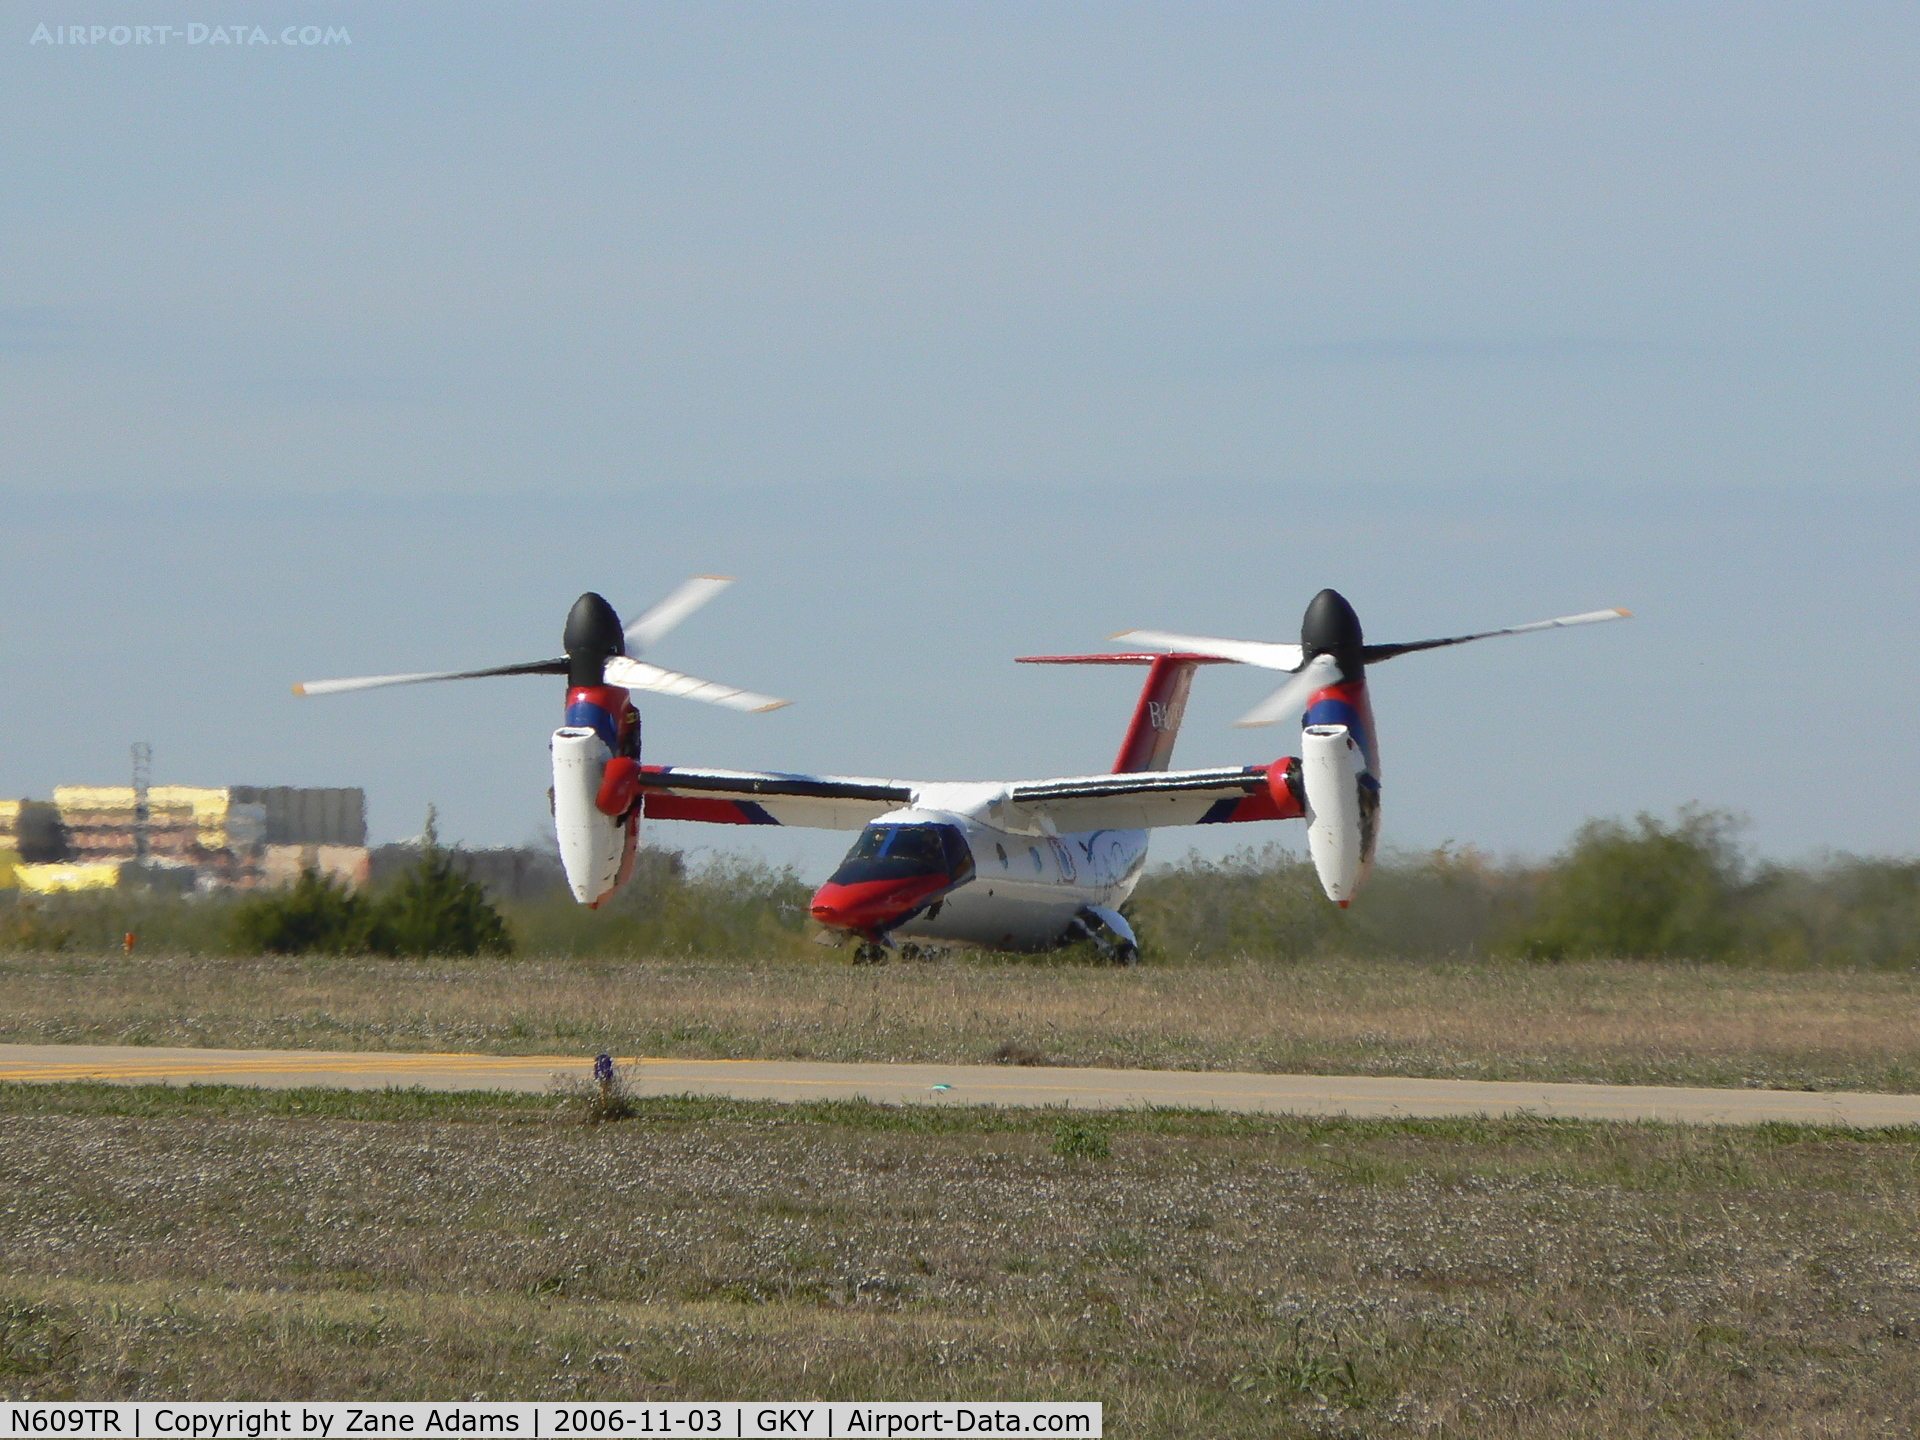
(959, 854)
(872, 841)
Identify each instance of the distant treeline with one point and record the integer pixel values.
(431, 903)
(1649, 888)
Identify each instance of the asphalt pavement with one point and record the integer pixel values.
(1369, 1095)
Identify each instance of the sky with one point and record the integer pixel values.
(960, 332)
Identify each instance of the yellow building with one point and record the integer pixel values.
(230, 835)
(56, 876)
(100, 820)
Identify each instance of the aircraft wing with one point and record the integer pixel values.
(1146, 799)
(1135, 801)
(753, 797)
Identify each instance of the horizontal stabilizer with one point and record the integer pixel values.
(1268, 655)
(1131, 657)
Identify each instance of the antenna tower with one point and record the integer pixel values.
(142, 812)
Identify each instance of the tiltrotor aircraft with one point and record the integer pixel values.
(1007, 865)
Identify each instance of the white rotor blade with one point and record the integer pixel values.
(375, 682)
(1586, 617)
(646, 632)
(638, 675)
(367, 682)
(1267, 655)
(1291, 698)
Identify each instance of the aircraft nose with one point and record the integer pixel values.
(872, 906)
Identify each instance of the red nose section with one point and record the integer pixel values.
(873, 906)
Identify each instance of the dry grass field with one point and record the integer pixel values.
(1205, 1276)
(1616, 1022)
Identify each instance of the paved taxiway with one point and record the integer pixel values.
(961, 1085)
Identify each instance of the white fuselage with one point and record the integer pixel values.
(1026, 890)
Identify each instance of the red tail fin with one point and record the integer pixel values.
(1156, 716)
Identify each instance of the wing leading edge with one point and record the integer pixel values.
(752, 797)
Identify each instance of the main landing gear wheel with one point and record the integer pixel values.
(870, 952)
(1111, 937)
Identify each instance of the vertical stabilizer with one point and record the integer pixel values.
(1157, 716)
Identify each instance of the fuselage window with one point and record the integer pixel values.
(1038, 868)
(1001, 851)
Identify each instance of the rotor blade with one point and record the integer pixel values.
(1291, 698)
(1373, 653)
(646, 632)
(375, 682)
(638, 675)
(1265, 654)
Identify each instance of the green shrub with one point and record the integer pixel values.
(431, 909)
(1075, 1139)
(1652, 888)
(40, 835)
(316, 914)
(25, 925)
(731, 908)
(96, 921)
(1847, 910)
(1264, 904)
(1267, 904)
(1648, 890)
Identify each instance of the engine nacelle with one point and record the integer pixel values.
(594, 847)
(1341, 819)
